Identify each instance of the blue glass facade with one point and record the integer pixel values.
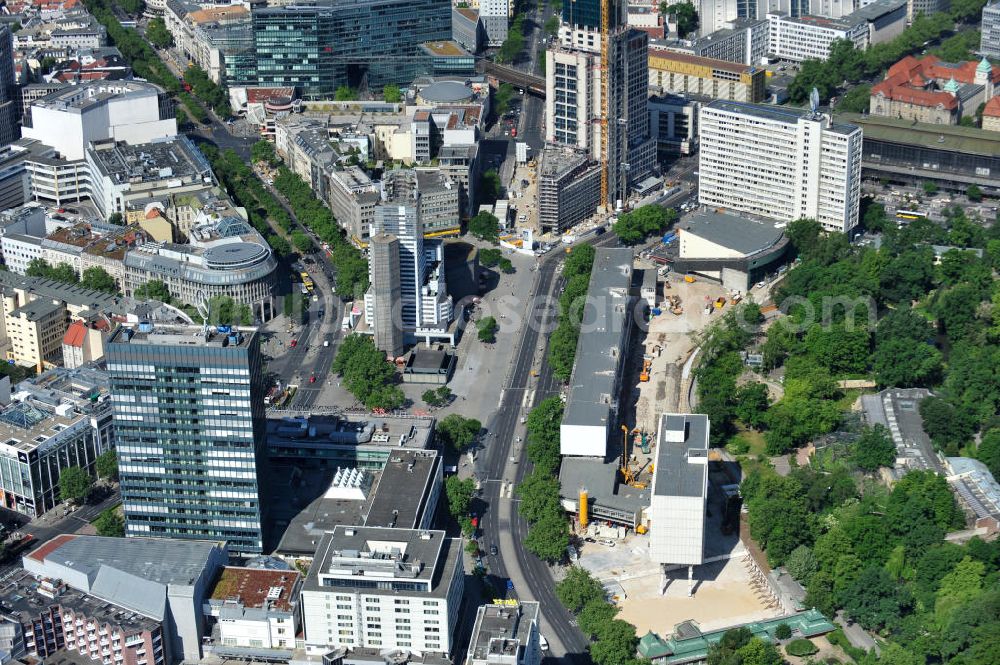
(321, 46)
(189, 419)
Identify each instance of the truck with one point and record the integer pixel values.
(346, 324)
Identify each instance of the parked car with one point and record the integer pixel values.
(493, 550)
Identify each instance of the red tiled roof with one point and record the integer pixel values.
(153, 213)
(75, 335)
(992, 109)
(48, 548)
(907, 79)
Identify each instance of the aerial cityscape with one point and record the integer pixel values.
(500, 332)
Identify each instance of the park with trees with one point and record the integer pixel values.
(367, 373)
(902, 318)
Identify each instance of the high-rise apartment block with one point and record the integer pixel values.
(780, 163)
(495, 15)
(990, 44)
(189, 418)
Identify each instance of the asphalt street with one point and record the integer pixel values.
(496, 468)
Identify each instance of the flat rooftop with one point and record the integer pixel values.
(600, 479)
(164, 561)
(445, 48)
(502, 630)
(603, 328)
(72, 294)
(78, 98)
(402, 555)
(790, 116)
(736, 232)
(304, 430)
(557, 161)
(949, 138)
(20, 599)
(164, 159)
(682, 456)
(166, 334)
(396, 497)
(687, 58)
(257, 588)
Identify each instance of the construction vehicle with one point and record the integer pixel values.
(689, 279)
(720, 302)
(647, 362)
(736, 298)
(630, 477)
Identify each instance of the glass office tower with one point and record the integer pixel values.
(320, 45)
(189, 421)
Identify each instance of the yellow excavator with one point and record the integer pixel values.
(630, 477)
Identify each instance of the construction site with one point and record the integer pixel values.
(657, 519)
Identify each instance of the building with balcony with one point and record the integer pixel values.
(166, 581)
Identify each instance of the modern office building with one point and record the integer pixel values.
(425, 308)
(128, 111)
(569, 188)
(388, 589)
(495, 16)
(210, 36)
(925, 7)
(743, 41)
(163, 580)
(615, 130)
(386, 292)
(673, 122)
(989, 45)
(680, 490)
(780, 163)
(505, 635)
(594, 386)
(45, 431)
(320, 45)
(9, 108)
(467, 28)
(805, 37)
(681, 73)
(192, 462)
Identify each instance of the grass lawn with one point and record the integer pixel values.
(749, 440)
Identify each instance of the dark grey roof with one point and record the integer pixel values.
(736, 232)
(403, 488)
(598, 351)
(600, 479)
(682, 467)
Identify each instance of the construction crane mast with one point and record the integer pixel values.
(605, 73)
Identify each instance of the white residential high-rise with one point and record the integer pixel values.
(779, 162)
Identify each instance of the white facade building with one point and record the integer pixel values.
(128, 111)
(680, 489)
(255, 609)
(505, 634)
(383, 588)
(804, 37)
(780, 163)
